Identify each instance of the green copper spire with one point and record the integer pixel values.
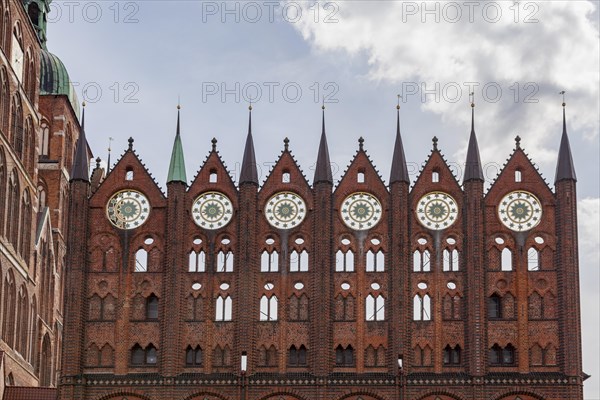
(177, 166)
(38, 11)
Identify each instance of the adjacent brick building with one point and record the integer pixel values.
(38, 131)
(291, 290)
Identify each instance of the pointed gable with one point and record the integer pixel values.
(213, 175)
(128, 173)
(286, 175)
(436, 175)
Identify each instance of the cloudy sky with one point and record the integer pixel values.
(131, 61)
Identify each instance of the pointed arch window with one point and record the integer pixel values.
(298, 308)
(138, 355)
(44, 140)
(452, 355)
(299, 261)
(213, 177)
(141, 261)
(518, 175)
(152, 307)
(451, 260)
(375, 308)
(422, 308)
(533, 259)
(506, 262)
(375, 261)
(193, 356)
(344, 357)
(221, 356)
(421, 261)
(285, 177)
(225, 261)
(268, 308)
(197, 261)
(129, 174)
(297, 356)
(267, 356)
(344, 261)
(345, 308)
(435, 177)
(360, 177)
(502, 356)
(494, 307)
(269, 261)
(223, 308)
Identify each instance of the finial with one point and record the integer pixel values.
(178, 102)
(98, 162)
(214, 144)
(518, 141)
(286, 143)
(83, 104)
(435, 142)
(323, 103)
(472, 99)
(250, 105)
(563, 97)
(398, 106)
(361, 142)
(130, 140)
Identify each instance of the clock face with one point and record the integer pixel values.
(437, 210)
(361, 211)
(520, 211)
(285, 210)
(128, 209)
(212, 210)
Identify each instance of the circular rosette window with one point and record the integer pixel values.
(361, 211)
(437, 210)
(128, 209)
(285, 210)
(212, 210)
(520, 211)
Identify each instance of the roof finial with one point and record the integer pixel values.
(398, 106)
(563, 96)
(435, 142)
(361, 142)
(214, 144)
(518, 141)
(98, 162)
(286, 144)
(130, 141)
(250, 104)
(110, 139)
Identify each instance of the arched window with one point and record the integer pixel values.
(421, 261)
(269, 262)
(298, 308)
(151, 355)
(152, 307)
(344, 261)
(197, 261)
(344, 357)
(129, 174)
(435, 177)
(360, 177)
(4, 101)
(225, 261)
(16, 117)
(344, 308)
(213, 177)
(46, 362)
(375, 308)
(451, 260)
(502, 356)
(137, 355)
(299, 261)
(34, 13)
(44, 140)
(495, 307)
(141, 261)
(26, 228)
(506, 264)
(13, 217)
(533, 259)
(422, 308)
(518, 176)
(10, 308)
(452, 355)
(193, 356)
(41, 197)
(2, 190)
(267, 357)
(107, 356)
(221, 356)
(223, 309)
(268, 308)
(375, 261)
(285, 177)
(297, 356)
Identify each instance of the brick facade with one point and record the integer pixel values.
(494, 327)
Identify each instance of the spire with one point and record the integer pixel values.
(81, 168)
(473, 170)
(249, 174)
(177, 166)
(399, 171)
(565, 168)
(323, 168)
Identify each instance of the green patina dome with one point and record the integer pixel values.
(54, 79)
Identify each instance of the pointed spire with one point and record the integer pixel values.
(565, 168)
(323, 168)
(399, 171)
(473, 170)
(249, 174)
(81, 167)
(177, 165)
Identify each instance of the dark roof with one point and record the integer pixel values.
(54, 79)
(473, 170)
(323, 169)
(565, 168)
(249, 173)
(30, 393)
(177, 165)
(399, 171)
(81, 165)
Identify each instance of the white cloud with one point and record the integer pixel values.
(558, 52)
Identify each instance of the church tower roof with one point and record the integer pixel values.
(473, 170)
(399, 171)
(565, 168)
(81, 168)
(177, 165)
(323, 168)
(249, 173)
